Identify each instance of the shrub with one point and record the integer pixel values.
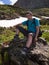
(46, 36)
(6, 35)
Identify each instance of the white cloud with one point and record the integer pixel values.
(13, 1)
(1, 2)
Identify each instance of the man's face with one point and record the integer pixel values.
(29, 16)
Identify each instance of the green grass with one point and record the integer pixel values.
(41, 11)
(8, 9)
(6, 35)
(45, 27)
(46, 36)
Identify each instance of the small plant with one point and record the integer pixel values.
(46, 36)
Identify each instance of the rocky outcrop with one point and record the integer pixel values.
(38, 56)
(31, 4)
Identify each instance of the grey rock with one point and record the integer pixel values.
(31, 4)
(39, 54)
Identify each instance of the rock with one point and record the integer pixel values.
(39, 55)
(31, 4)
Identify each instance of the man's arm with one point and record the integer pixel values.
(37, 28)
(23, 23)
(37, 31)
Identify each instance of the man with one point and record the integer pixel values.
(31, 32)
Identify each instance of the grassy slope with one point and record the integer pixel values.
(11, 9)
(41, 11)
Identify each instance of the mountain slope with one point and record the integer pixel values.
(10, 12)
(31, 4)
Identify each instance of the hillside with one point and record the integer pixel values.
(31, 4)
(10, 12)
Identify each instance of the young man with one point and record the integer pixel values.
(31, 32)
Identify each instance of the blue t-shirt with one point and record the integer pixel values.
(31, 25)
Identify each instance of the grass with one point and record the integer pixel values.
(8, 9)
(45, 27)
(6, 35)
(41, 11)
(46, 36)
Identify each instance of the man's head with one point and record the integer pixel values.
(29, 14)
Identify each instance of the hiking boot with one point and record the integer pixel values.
(16, 38)
(24, 51)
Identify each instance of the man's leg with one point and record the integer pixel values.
(22, 30)
(30, 36)
(29, 41)
(28, 44)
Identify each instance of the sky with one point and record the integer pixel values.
(8, 2)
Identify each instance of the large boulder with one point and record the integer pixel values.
(39, 55)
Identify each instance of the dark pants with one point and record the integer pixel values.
(24, 31)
